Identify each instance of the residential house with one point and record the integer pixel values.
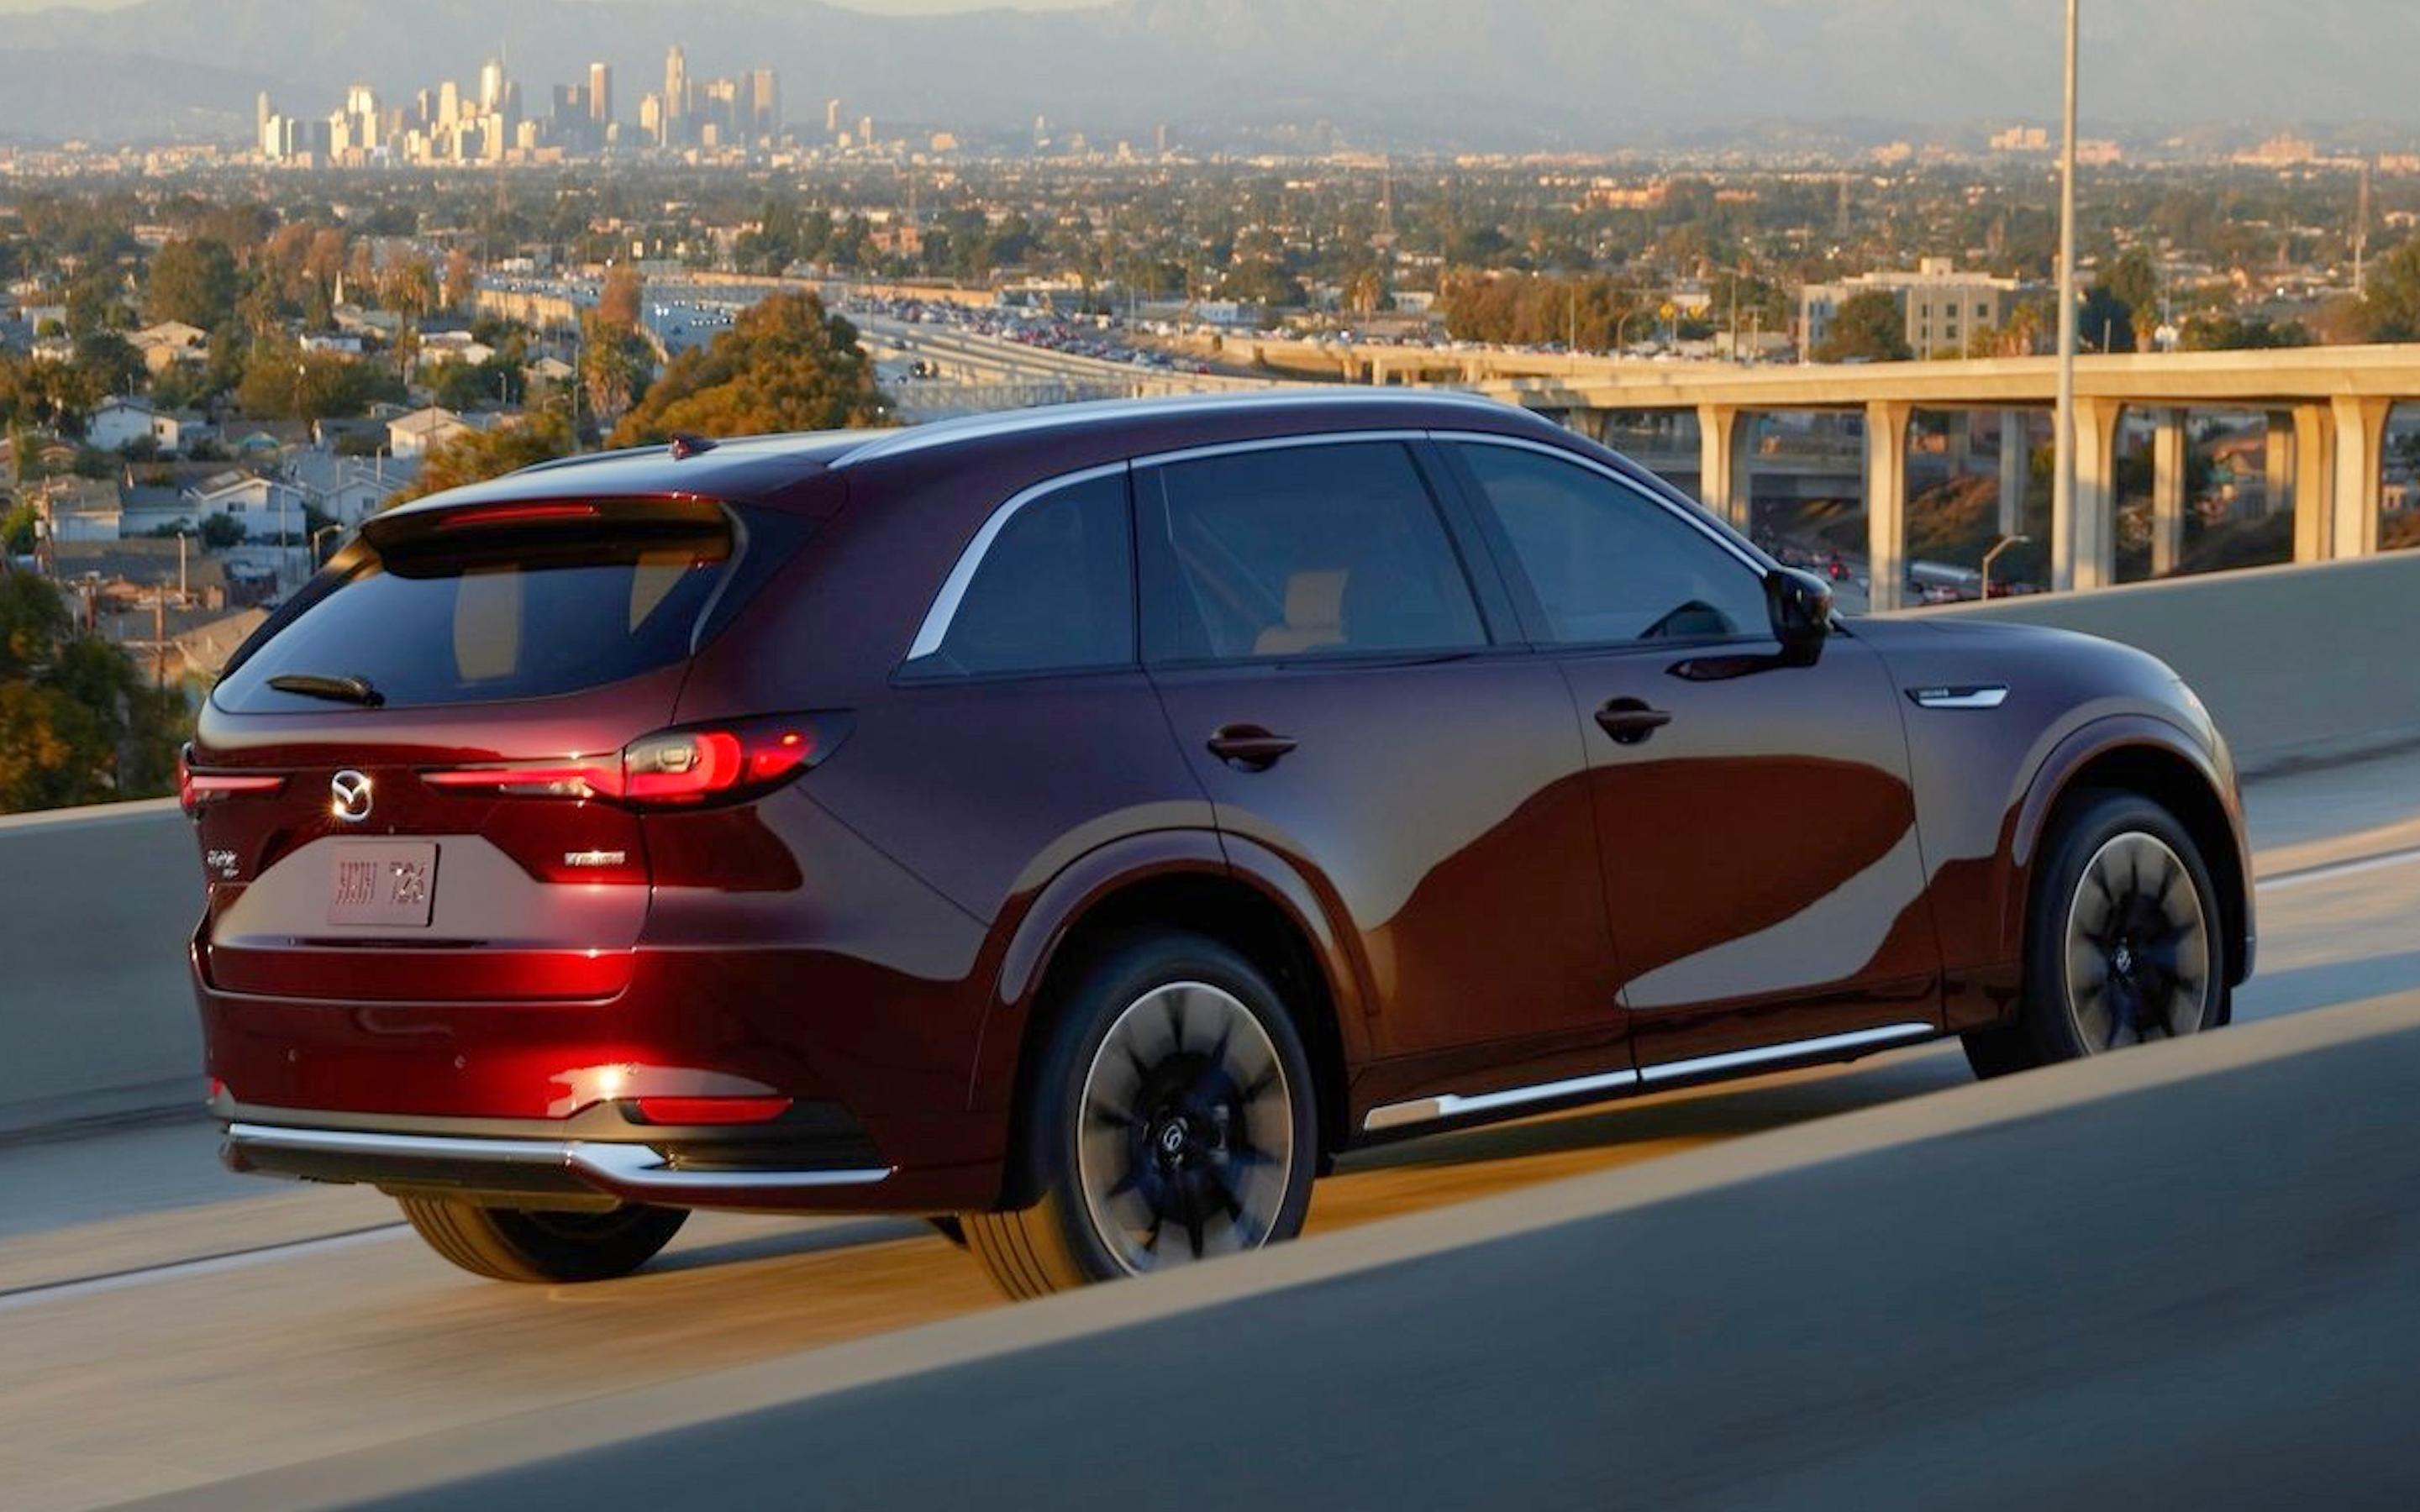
(79, 509)
(120, 423)
(415, 434)
(264, 506)
(171, 342)
(349, 490)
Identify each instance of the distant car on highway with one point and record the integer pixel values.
(1091, 822)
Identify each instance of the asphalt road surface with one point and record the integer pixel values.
(164, 1326)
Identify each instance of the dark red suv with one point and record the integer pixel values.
(1090, 820)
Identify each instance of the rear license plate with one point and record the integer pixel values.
(383, 883)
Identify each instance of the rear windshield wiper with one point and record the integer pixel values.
(339, 689)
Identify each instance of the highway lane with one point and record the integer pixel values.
(146, 1347)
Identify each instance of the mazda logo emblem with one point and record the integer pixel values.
(351, 790)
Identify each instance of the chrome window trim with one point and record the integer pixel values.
(1450, 1104)
(1694, 516)
(612, 1168)
(944, 609)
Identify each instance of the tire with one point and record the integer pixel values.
(2123, 941)
(1170, 1119)
(520, 1244)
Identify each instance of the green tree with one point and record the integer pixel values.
(193, 282)
(478, 455)
(620, 302)
(784, 366)
(78, 722)
(1869, 325)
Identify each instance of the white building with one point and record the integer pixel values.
(413, 434)
(263, 505)
(121, 423)
(1944, 308)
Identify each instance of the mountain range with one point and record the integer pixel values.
(1590, 74)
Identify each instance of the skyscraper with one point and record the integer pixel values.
(763, 105)
(676, 93)
(831, 117)
(492, 85)
(600, 93)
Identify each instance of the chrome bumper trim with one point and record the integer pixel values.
(616, 1169)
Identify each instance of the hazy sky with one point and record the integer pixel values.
(887, 7)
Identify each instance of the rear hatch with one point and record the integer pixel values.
(425, 781)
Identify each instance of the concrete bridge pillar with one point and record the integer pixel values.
(1725, 463)
(2016, 469)
(2167, 493)
(2313, 472)
(2360, 444)
(2084, 546)
(1886, 502)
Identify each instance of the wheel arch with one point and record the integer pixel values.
(1178, 880)
(2153, 760)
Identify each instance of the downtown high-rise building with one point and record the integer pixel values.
(600, 94)
(675, 103)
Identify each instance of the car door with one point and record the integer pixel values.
(1324, 658)
(1761, 860)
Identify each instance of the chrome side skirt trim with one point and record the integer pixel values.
(1761, 1055)
(613, 1169)
(1959, 697)
(1453, 1105)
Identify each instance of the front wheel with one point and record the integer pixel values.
(2122, 941)
(525, 1244)
(1171, 1121)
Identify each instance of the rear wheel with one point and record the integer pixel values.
(1170, 1121)
(524, 1244)
(2122, 942)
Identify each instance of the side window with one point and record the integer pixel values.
(1309, 550)
(1055, 593)
(1607, 564)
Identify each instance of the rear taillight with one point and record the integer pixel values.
(671, 768)
(194, 789)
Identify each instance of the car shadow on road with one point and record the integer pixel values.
(790, 1243)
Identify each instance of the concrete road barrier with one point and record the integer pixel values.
(96, 1013)
(2297, 664)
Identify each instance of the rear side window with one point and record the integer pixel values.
(1308, 551)
(478, 612)
(1055, 590)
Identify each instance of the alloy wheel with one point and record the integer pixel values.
(2138, 947)
(1185, 1144)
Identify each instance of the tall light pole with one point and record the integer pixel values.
(2064, 543)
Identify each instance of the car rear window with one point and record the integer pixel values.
(515, 605)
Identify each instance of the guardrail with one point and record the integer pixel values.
(2298, 664)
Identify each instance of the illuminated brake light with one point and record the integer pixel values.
(512, 514)
(669, 769)
(713, 1109)
(194, 789)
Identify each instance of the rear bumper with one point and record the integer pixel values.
(534, 1172)
(816, 1158)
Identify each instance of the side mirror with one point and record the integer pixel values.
(1802, 615)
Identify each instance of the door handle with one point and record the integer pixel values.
(1248, 746)
(1630, 722)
